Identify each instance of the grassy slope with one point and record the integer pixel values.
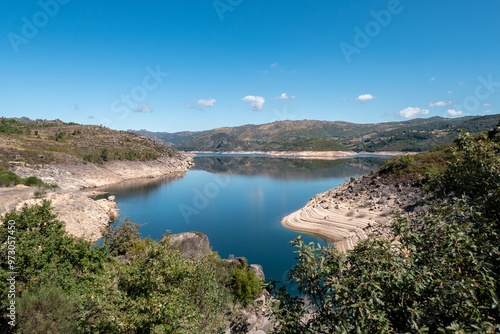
(54, 141)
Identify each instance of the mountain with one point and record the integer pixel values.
(309, 135)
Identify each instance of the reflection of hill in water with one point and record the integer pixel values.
(286, 168)
(138, 186)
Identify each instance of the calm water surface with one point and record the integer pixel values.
(238, 202)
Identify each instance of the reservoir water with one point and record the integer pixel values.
(238, 202)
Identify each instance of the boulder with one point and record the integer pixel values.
(258, 270)
(190, 244)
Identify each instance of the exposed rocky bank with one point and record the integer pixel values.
(85, 217)
(356, 209)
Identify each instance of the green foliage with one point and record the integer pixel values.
(65, 285)
(131, 155)
(8, 179)
(159, 292)
(397, 165)
(44, 254)
(245, 284)
(46, 309)
(474, 172)
(120, 235)
(439, 273)
(105, 154)
(10, 126)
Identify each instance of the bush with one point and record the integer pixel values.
(46, 309)
(8, 179)
(121, 235)
(245, 284)
(105, 154)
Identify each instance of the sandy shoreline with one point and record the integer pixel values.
(354, 210)
(84, 217)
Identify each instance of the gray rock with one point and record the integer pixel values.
(190, 244)
(258, 270)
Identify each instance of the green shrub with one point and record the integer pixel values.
(245, 284)
(121, 235)
(33, 181)
(105, 154)
(8, 179)
(46, 309)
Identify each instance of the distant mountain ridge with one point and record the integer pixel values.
(308, 135)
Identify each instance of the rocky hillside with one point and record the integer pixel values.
(415, 135)
(75, 158)
(42, 141)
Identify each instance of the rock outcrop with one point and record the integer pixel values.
(190, 244)
(356, 209)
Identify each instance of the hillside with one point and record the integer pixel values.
(56, 161)
(43, 141)
(415, 135)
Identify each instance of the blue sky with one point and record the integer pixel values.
(201, 64)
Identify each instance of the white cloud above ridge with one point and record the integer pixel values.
(454, 113)
(257, 102)
(365, 97)
(440, 104)
(411, 112)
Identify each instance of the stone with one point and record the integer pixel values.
(190, 244)
(258, 270)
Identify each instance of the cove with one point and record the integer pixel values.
(238, 202)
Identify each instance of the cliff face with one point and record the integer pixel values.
(356, 209)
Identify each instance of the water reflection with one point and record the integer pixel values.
(287, 168)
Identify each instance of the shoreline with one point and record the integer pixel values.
(306, 154)
(84, 217)
(354, 210)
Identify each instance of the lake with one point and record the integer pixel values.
(238, 202)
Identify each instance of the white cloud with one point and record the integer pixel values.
(365, 97)
(412, 112)
(433, 79)
(487, 111)
(142, 108)
(274, 64)
(281, 97)
(207, 103)
(202, 104)
(453, 113)
(487, 104)
(449, 92)
(344, 99)
(257, 102)
(439, 104)
(461, 83)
